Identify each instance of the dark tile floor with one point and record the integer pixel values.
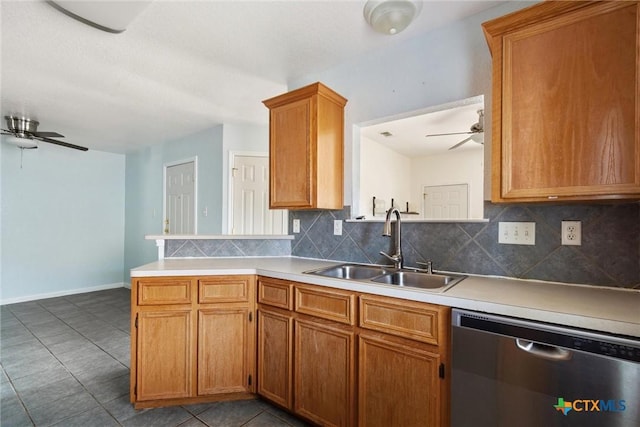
(65, 362)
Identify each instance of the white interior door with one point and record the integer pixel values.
(446, 201)
(250, 198)
(180, 200)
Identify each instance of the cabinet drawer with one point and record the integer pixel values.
(224, 289)
(165, 291)
(325, 303)
(276, 293)
(413, 320)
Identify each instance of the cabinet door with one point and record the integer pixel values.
(292, 155)
(225, 345)
(567, 101)
(164, 355)
(275, 347)
(324, 384)
(398, 385)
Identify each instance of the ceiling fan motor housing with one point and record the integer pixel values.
(21, 126)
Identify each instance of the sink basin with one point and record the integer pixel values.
(409, 278)
(414, 279)
(352, 271)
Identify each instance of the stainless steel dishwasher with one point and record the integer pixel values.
(509, 372)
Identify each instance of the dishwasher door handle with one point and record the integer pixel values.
(548, 352)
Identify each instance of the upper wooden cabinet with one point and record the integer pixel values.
(566, 102)
(306, 149)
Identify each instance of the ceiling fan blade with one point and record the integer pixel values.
(64, 144)
(452, 133)
(48, 134)
(460, 143)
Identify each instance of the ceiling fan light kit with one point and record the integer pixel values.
(21, 142)
(391, 16)
(23, 132)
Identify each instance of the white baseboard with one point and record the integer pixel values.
(64, 293)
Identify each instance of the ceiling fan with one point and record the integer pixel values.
(24, 133)
(476, 132)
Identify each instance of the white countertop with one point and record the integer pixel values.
(598, 308)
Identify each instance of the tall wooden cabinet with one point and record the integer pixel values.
(306, 149)
(192, 339)
(566, 102)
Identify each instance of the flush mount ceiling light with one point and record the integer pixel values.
(109, 16)
(391, 16)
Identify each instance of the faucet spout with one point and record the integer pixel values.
(386, 231)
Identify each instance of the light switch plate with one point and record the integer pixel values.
(517, 233)
(337, 227)
(296, 225)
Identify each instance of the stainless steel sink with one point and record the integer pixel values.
(410, 278)
(352, 271)
(422, 280)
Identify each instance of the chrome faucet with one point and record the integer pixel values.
(386, 231)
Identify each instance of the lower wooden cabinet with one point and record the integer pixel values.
(324, 377)
(164, 353)
(275, 357)
(226, 349)
(192, 339)
(398, 384)
(380, 362)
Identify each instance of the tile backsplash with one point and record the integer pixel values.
(609, 254)
(207, 248)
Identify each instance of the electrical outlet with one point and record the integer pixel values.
(517, 233)
(572, 233)
(337, 227)
(296, 225)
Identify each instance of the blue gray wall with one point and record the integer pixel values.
(62, 221)
(144, 184)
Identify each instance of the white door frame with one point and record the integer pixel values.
(193, 160)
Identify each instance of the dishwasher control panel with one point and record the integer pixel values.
(625, 348)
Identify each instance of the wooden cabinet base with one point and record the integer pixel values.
(193, 400)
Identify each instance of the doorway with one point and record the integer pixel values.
(249, 207)
(180, 200)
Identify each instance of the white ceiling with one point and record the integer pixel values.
(408, 134)
(181, 66)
